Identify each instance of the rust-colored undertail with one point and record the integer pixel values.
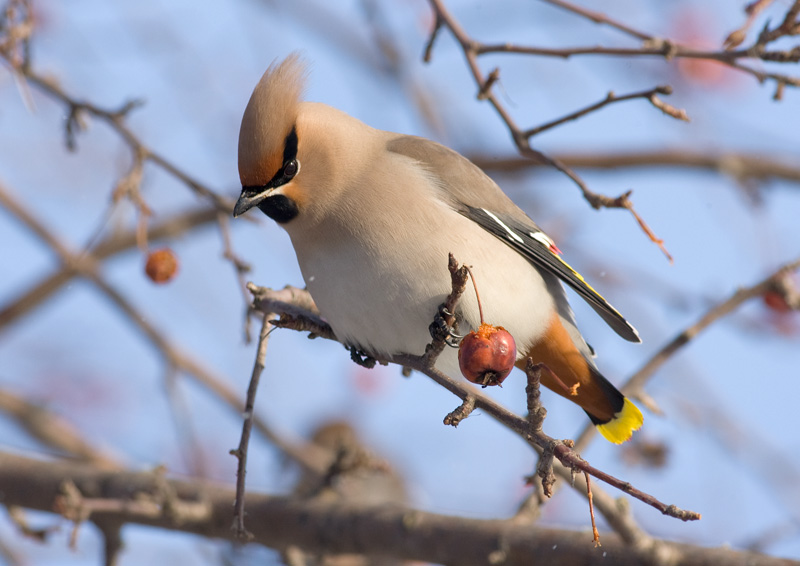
(576, 379)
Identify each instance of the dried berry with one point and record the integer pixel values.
(776, 302)
(487, 356)
(162, 265)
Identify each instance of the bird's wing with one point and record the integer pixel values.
(472, 193)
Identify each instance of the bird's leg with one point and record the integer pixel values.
(443, 327)
(573, 390)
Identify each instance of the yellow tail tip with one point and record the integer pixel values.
(621, 427)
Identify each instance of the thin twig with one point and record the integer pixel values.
(454, 417)
(538, 440)
(595, 533)
(655, 46)
(472, 49)
(740, 166)
(86, 266)
(611, 98)
(116, 119)
(458, 284)
(636, 382)
(737, 37)
(54, 431)
(247, 425)
(566, 456)
(536, 411)
(475, 288)
(788, 27)
(599, 18)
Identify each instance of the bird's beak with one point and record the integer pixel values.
(250, 197)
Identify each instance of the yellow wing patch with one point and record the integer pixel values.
(579, 276)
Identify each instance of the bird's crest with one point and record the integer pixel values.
(269, 118)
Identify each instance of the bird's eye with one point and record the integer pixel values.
(291, 168)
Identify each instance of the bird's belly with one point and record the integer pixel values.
(384, 303)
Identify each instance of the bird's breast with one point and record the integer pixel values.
(379, 285)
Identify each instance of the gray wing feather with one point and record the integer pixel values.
(465, 182)
(472, 193)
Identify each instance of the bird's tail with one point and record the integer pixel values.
(626, 417)
(571, 373)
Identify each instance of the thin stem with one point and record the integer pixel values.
(477, 295)
(247, 425)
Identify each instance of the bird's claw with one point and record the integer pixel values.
(361, 358)
(442, 331)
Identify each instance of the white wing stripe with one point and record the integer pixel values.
(508, 230)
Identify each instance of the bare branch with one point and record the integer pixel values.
(609, 99)
(636, 382)
(128, 185)
(520, 426)
(737, 37)
(112, 542)
(458, 283)
(788, 27)
(280, 522)
(454, 417)
(599, 18)
(595, 533)
(116, 120)
(249, 415)
(740, 166)
(86, 266)
(472, 49)
(655, 46)
(54, 431)
(536, 411)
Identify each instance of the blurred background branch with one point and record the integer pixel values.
(363, 529)
(76, 380)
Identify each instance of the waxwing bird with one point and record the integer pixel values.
(373, 215)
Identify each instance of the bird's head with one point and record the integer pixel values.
(268, 143)
(305, 164)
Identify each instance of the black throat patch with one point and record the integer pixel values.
(280, 208)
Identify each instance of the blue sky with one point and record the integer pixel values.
(195, 65)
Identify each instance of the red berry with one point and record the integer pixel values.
(161, 266)
(487, 356)
(776, 301)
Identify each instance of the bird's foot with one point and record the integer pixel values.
(442, 330)
(361, 358)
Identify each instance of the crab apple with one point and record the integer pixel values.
(161, 266)
(487, 356)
